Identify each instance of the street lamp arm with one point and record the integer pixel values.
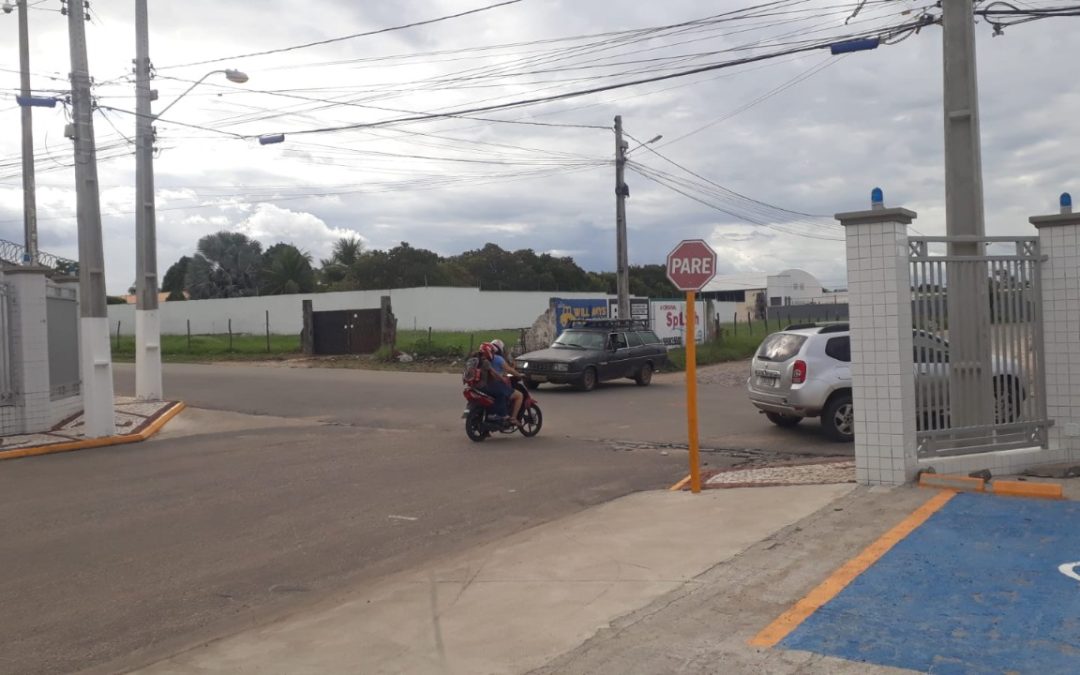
(232, 75)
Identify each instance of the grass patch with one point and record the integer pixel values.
(450, 344)
(178, 349)
(735, 344)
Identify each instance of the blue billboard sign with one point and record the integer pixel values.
(567, 310)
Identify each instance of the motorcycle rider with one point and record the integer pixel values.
(501, 363)
(492, 381)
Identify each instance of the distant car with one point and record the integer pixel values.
(805, 371)
(589, 352)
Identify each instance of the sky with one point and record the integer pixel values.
(773, 147)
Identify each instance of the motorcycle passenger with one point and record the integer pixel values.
(502, 365)
(492, 381)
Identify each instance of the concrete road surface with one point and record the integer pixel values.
(310, 481)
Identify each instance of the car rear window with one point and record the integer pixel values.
(780, 346)
(839, 348)
(649, 337)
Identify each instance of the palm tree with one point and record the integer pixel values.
(286, 269)
(225, 265)
(345, 254)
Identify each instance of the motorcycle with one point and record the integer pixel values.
(479, 409)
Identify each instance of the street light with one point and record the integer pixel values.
(648, 142)
(231, 74)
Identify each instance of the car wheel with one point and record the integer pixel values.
(588, 380)
(533, 385)
(785, 421)
(644, 376)
(838, 419)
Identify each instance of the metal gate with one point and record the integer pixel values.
(352, 331)
(978, 345)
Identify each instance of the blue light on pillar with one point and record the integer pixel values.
(1066, 202)
(877, 198)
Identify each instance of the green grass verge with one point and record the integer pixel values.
(450, 344)
(177, 348)
(735, 344)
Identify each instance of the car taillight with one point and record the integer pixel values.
(798, 372)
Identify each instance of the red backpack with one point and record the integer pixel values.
(472, 374)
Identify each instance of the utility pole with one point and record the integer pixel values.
(622, 265)
(30, 240)
(95, 351)
(970, 383)
(148, 384)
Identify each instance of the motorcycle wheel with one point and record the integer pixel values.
(531, 421)
(474, 426)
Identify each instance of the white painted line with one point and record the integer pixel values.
(410, 518)
(1069, 570)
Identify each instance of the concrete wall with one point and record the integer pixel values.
(33, 408)
(434, 307)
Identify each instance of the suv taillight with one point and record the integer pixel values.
(798, 372)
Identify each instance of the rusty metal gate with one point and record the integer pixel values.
(350, 331)
(978, 345)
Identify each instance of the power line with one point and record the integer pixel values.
(619, 85)
(344, 37)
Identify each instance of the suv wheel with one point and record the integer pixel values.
(644, 376)
(785, 421)
(838, 419)
(588, 380)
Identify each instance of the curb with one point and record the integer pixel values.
(1004, 488)
(151, 429)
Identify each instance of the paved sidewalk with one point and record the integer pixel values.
(515, 605)
(132, 417)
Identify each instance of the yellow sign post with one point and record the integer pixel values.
(691, 393)
(690, 266)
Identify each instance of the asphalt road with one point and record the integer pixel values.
(116, 557)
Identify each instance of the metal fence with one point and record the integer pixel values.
(62, 312)
(979, 370)
(7, 378)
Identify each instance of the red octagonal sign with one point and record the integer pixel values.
(691, 265)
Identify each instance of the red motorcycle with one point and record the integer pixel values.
(479, 409)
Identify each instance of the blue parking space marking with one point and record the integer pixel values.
(986, 585)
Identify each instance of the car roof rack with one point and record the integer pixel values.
(839, 327)
(637, 324)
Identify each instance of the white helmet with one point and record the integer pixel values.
(499, 345)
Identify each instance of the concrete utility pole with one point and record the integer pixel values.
(95, 354)
(963, 149)
(971, 388)
(148, 384)
(622, 265)
(30, 239)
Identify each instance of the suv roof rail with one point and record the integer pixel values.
(609, 323)
(835, 328)
(800, 326)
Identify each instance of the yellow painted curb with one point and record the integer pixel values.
(89, 443)
(945, 481)
(680, 485)
(1016, 488)
(772, 634)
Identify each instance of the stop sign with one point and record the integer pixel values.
(691, 265)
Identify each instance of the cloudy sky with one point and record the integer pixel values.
(768, 146)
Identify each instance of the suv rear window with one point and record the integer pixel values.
(780, 346)
(839, 348)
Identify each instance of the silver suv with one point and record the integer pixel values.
(805, 371)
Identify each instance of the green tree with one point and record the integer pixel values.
(334, 271)
(174, 279)
(285, 270)
(226, 265)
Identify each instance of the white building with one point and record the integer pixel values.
(789, 287)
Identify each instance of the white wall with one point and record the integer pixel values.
(436, 307)
(801, 287)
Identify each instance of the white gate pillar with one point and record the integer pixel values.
(1059, 241)
(883, 379)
